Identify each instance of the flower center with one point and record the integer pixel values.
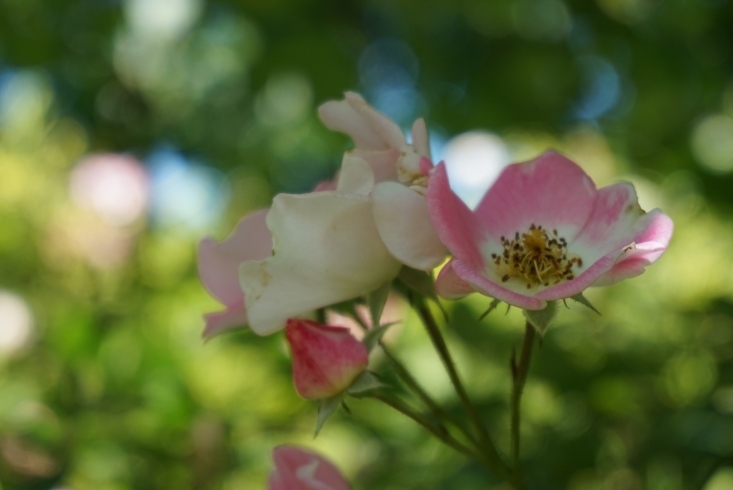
(536, 258)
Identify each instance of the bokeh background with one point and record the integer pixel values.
(129, 129)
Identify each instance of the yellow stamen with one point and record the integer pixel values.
(536, 258)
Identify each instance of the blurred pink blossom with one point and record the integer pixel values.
(300, 469)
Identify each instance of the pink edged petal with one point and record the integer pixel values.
(383, 162)
(580, 283)
(550, 191)
(300, 469)
(449, 286)
(489, 288)
(420, 138)
(326, 250)
(650, 244)
(615, 221)
(401, 216)
(233, 317)
(454, 223)
(218, 263)
(355, 176)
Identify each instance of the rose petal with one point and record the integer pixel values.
(401, 216)
(550, 191)
(218, 262)
(489, 288)
(234, 316)
(650, 244)
(326, 250)
(449, 285)
(455, 224)
(369, 129)
(420, 138)
(355, 177)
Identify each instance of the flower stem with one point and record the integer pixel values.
(519, 377)
(436, 430)
(406, 377)
(438, 411)
(497, 465)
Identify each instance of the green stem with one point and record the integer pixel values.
(438, 411)
(497, 465)
(519, 376)
(407, 378)
(438, 431)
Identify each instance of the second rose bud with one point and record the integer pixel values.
(326, 359)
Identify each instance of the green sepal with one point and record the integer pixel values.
(326, 408)
(492, 306)
(376, 301)
(584, 301)
(541, 319)
(364, 383)
(374, 335)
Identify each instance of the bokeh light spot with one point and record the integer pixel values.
(474, 161)
(712, 143)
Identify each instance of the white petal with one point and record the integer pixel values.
(401, 215)
(356, 176)
(390, 132)
(326, 250)
(420, 139)
(342, 117)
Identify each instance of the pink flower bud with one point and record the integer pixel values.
(326, 359)
(299, 469)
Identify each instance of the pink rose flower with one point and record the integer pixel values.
(299, 469)
(543, 232)
(326, 359)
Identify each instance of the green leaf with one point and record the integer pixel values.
(365, 382)
(326, 408)
(584, 301)
(419, 281)
(374, 335)
(376, 301)
(541, 319)
(491, 308)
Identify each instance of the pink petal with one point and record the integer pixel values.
(650, 244)
(490, 288)
(299, 469)
(234, 316)
(615, 220)
(401, 216)
(580, 283)
(455, 224)
(551, 191)
(218, 263)
(449, 285)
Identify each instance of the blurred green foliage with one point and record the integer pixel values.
(106, 385)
